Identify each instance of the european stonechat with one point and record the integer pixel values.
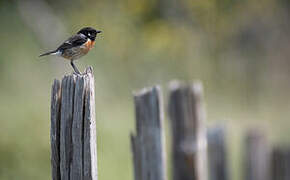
(76, 46)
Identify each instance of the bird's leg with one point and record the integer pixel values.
(74, 67)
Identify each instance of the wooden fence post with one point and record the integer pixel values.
(257, 165)
(148, 144)
(280, 163)
(188, 131)
(73, 128)
(217, 154)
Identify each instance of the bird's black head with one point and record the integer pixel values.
(89, 32)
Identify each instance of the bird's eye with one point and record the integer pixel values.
(89, 34)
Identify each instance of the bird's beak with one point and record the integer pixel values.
(99, 32)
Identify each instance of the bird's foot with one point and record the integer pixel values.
(78, 73)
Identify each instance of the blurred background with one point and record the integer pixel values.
(238, 49)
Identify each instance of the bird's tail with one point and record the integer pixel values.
(54, 52)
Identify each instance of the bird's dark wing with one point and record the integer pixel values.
(74, 41)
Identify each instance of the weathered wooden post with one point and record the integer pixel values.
(148, 144)
(73, 128)
(217, 154)
(257, 165)
(280, 163)
(189, 145)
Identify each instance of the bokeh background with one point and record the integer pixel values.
(238, 49)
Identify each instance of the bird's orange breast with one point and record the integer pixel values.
(88, 46)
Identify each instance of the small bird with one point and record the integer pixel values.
(76, 46)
